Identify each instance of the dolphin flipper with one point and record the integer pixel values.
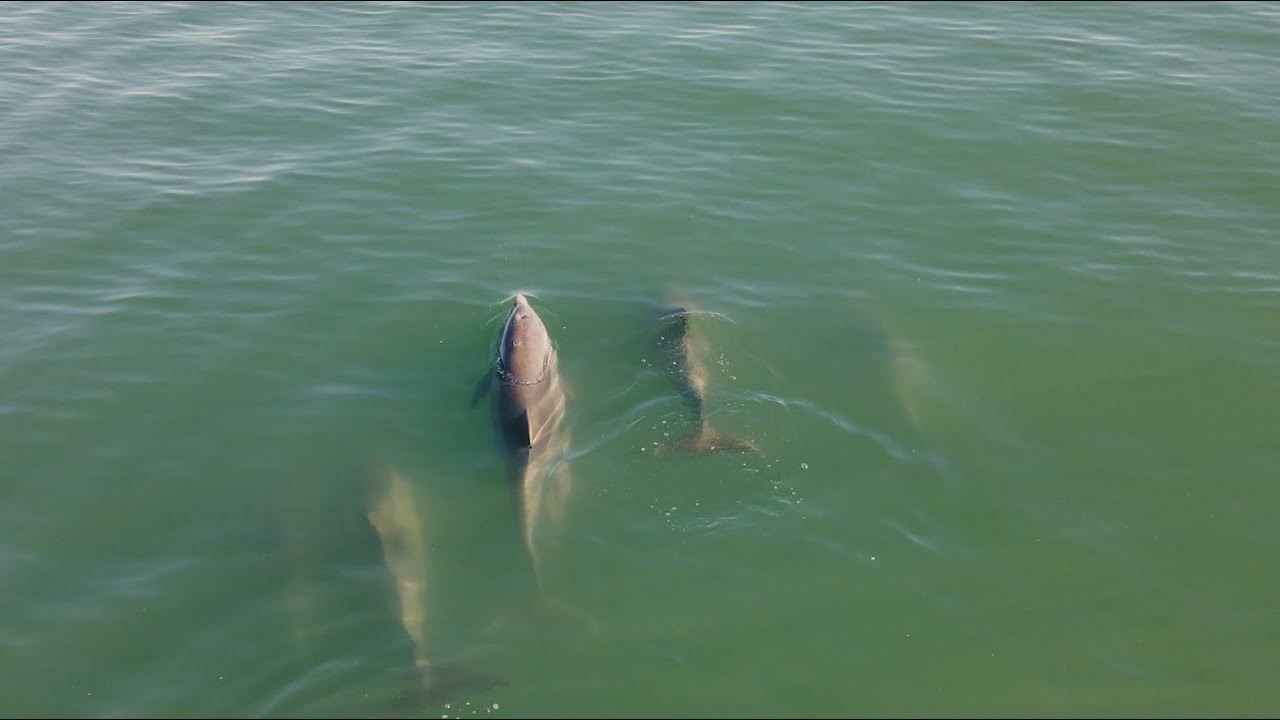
(482, 387)
(707, 440)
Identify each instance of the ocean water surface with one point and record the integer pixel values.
(995, 288)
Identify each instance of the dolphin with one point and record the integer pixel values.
(398, 523)
(683, 349)
(404, 550)
(528, 402)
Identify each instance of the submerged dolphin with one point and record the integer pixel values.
(528, 402)
(404, 550)
(683, 350)
(398, 523)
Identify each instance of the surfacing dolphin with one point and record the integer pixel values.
(528, 403)
(683, 350)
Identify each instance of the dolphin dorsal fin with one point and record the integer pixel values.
(521, 431)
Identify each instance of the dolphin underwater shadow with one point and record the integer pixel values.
(683, 349)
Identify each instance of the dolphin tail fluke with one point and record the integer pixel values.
(706, 440)
(438, 684)
(556, 607)
(547, 613)
(444, 682)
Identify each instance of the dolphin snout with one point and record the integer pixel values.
(520, 300)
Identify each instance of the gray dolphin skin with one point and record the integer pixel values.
(528, 402)
(682, 349)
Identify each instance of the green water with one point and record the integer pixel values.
(995, 288)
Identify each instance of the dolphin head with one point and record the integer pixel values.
(524, 352)
(671, 299)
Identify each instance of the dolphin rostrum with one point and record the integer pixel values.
(528, 403)
(682, 350)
